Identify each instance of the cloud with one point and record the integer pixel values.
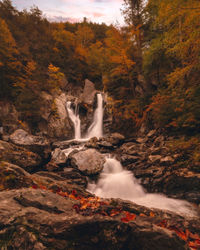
(94, 14)
(107, 11)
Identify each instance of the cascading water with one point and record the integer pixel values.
(74, 116)
(115, 182)
(96, 128)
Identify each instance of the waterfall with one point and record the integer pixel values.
(96, 128)
(74, 116)
(115, 182)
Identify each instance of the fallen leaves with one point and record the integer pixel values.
(95, 205)
(129, 217)
(192, 240)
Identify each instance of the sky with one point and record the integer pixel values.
(107, 11)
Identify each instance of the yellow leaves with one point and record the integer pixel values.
(179, 74)
(81, 52)
(84, 35)
(53, 69)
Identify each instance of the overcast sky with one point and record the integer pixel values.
(107, 11)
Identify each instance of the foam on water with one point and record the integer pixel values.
(115, 182)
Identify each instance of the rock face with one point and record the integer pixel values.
(9, 119)
(36, 144)
(89, 92)
(150, 159)
(12, 177)
(19, 155)
(89, 162)
(55, 121)
(59, 124)
(44, 220)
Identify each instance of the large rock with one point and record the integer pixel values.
(19, 155)
(89, 92)
(36, 144)
(9, 117)
(55, 121)
(89, 162)
(58, 156)
(39, 219)
(12, 177)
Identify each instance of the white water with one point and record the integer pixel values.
(74, 116)
(115, 182)
(96, 128)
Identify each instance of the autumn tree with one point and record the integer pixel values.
(178, 40)
(10, 66)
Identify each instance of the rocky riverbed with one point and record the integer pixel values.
(45, 205)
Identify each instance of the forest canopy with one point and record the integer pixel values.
(150, 67)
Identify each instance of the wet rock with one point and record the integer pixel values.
(89, 162)
(19, 155)
(66, 144)
(115, 139)
(12, 176)
(58, 156)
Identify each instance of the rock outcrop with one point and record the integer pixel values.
(37, 144)
(24, 158)
(45, 220)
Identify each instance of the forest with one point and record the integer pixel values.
(150, 67)
(100, 129)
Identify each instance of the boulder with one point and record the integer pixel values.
(58, 156)
(89, 92)
(37, 144)
(115, 139)
(12, 176)
(39, 219)
(19, 155)
(9, 117)
(89, 162)
(55, 122)
(68, 180)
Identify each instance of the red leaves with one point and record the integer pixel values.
(94, 205)
(193, 240)
(128, 217)
(114, 212)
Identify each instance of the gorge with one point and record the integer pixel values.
(50, 191)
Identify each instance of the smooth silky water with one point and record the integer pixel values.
(115, 182)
